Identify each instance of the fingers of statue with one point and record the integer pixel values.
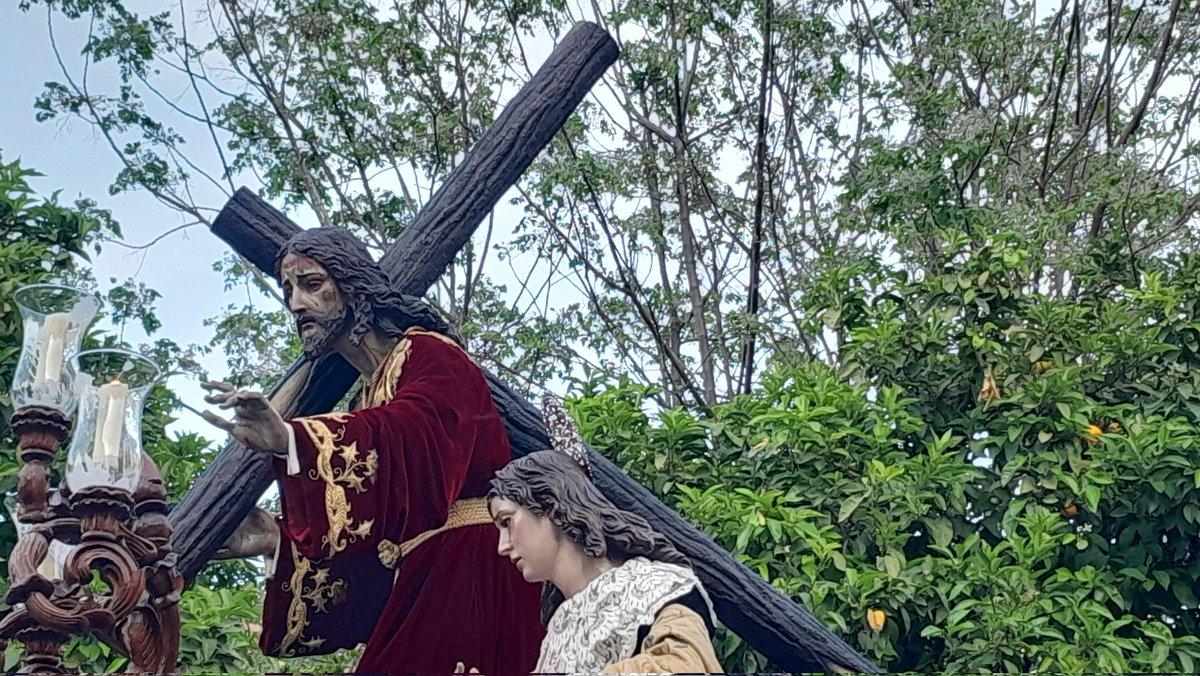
(219, 391)
(217, 421)
(239, 399)
(246, 404)
(220, 386)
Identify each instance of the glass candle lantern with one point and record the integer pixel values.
(106, 448)
(54, 319)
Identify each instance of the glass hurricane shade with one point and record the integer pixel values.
(106, 447)
(53, 319)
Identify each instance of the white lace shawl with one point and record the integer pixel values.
(599, 625)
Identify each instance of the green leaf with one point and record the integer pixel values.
(1183, 591)
(1158, 655)
(1162, 577)
(832, 318)
(892, 564)
(849, 506)
(839, 561)
(941, 531)
(1064, 410)
(960, 611)
(776, 529)
(743, 539)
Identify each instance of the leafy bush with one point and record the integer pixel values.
(1010, 478)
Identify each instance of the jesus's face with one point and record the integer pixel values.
(314, 299)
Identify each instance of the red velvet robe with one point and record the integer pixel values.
(380, 476)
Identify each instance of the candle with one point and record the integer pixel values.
(110, 422)
(52, 566)
(51, 339)
(48, 568)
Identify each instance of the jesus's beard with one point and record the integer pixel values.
(325, 331)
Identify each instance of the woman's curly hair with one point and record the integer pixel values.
(553, 485)
(368, 292)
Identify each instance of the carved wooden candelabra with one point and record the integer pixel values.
(137, 614)
(115, 524)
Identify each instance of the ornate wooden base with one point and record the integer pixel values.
(101, 511)
(43, 647)
(40, 431)
(138, 613)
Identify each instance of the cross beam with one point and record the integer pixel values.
(768, 620)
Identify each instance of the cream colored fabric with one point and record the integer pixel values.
(599, 625)
(678, 642)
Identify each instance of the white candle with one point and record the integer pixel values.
(48, 569)
(110, 422)
(52, 566)
(51, 340)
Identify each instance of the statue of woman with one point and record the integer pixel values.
(617, 596)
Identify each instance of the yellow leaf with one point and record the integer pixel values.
(876, 618)
(990, 391)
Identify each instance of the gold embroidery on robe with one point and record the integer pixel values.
(382, 388)
(389, 553)
(342, 529)
(319, 596)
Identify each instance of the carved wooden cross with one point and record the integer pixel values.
(765, 618)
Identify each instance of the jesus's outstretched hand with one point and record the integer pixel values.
(256, 424)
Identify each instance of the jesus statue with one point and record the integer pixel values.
(385, 536)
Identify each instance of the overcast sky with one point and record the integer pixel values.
(79, 163)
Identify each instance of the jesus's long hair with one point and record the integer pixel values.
(553, 485)
(365, 287)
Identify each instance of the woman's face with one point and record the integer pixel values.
(528, 540)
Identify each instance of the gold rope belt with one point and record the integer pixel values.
(469, 512)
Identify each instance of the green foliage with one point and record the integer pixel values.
(1008, 477)
(40, 241)
(219, 635)
(45, 242)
